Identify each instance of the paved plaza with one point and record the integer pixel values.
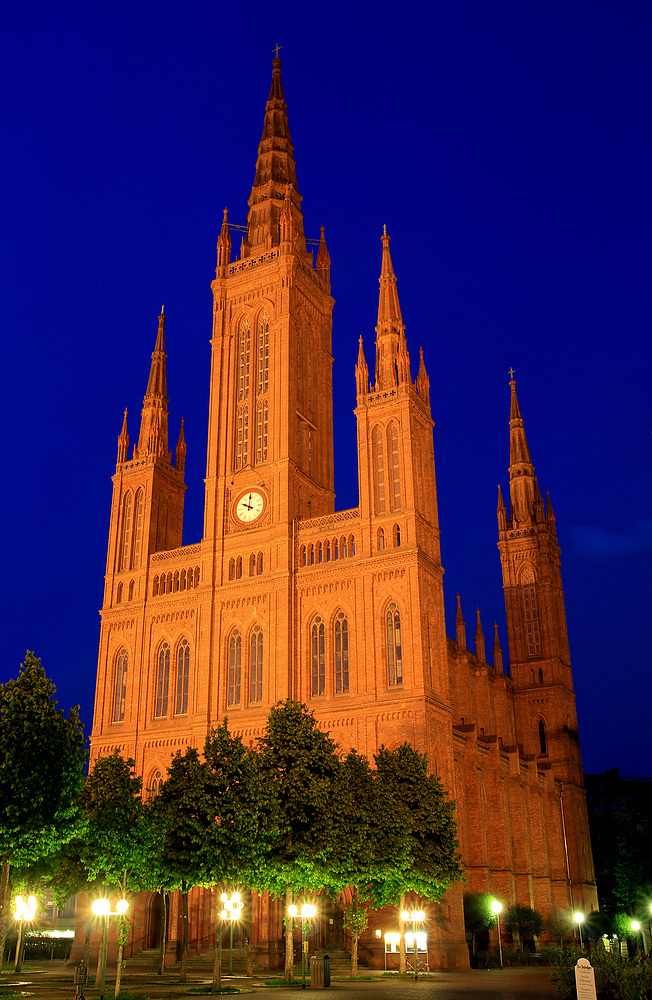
(55, 982)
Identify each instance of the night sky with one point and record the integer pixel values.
(506, 147)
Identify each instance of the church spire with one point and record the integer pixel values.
(323, 263)
(460, 629)
(392, 359)
(123, 442)
(181, 449)
(479, 640)
(423, 382)
(275, 168)
(361, 372)
(498, 653)
(224, 244)
(153, 437)
(521, 471)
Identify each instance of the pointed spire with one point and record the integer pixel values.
(123, 442)
(224, 243)
(392, 359)
(550, 517)
(153, 437)
(180, 454)
(498, 653)
(539, 515)
(460, 628)
(275, 168)
(479, 640)
(361, 372)
(323, 263)
(502, 512)
(423, 382)
(521, 470)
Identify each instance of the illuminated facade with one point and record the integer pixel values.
(343, 610)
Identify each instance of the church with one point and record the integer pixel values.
(285, 597)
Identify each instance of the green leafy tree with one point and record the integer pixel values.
(183, 811)
(302, 767)
(478, 915)
(560, 925)
(525, 921)
(412, 801)
(241, 821)
(42, 758)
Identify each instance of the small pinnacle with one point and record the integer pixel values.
(162, 310)
(384, 230)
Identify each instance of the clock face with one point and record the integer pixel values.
(250, 506)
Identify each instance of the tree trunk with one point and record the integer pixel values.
(354, 954)
(217, 948)
(402, 958)
(184, 946)
(87, 942)
(123, 932)
(250, 955)
(164, 932)
(5, 893)
(289, 937)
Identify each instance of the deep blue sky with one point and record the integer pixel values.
(507, 148)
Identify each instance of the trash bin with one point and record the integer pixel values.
(316, 972)
(327, 970)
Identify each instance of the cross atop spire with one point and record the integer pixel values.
(392, 362)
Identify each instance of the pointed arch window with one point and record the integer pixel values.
(163, 684)
(238, 568)
(263, 353)
(261, 430)
(138, 529)
(252, 564)
(155, 787)
(235, 668)
(125, 538)
(242, 437)
(259, 564)
(543, 745)
(394, 645)
(183, 676)
(256, 666)
(532, 629)
(132, 584)
(244, 346)
(118, 596)
(397, 536)
(393, 467)
(378, 459)
(318, 657)
(381, 539)
(341, 653)
(120, 686)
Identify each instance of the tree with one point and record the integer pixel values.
(302, 766)
(42, 759)
(525, 921)
(421, 851)
(242, 827)
(478, 915)
(560, 924)
(183, 812)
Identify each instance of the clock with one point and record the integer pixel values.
(249, 506)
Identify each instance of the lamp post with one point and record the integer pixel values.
(415, 917)
(579, 920)
(24, 912)
(102, 908)
(307, 913)
(232, 909)
(636, 927)
(496, 907)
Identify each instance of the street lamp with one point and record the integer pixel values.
(232, 909)
(102, 908)
(307, 913)
(415, 917)
(496, 907)
(636, 927)
(579, 920)
(24, 912)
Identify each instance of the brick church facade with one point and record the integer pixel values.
(342, 610)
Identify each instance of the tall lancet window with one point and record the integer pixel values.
(138, 529)
(244, 348)
(262, 385)
(125, 535)
(261, 430)
(163, 685)
(242, 437)
(394, 645)
(256, 665)
(378, 459)
(235, 668)
(318, 657)
(341, 653)
(531, 612)
(120, 686)
(393, 467)
(263, 354)
(183, 675)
